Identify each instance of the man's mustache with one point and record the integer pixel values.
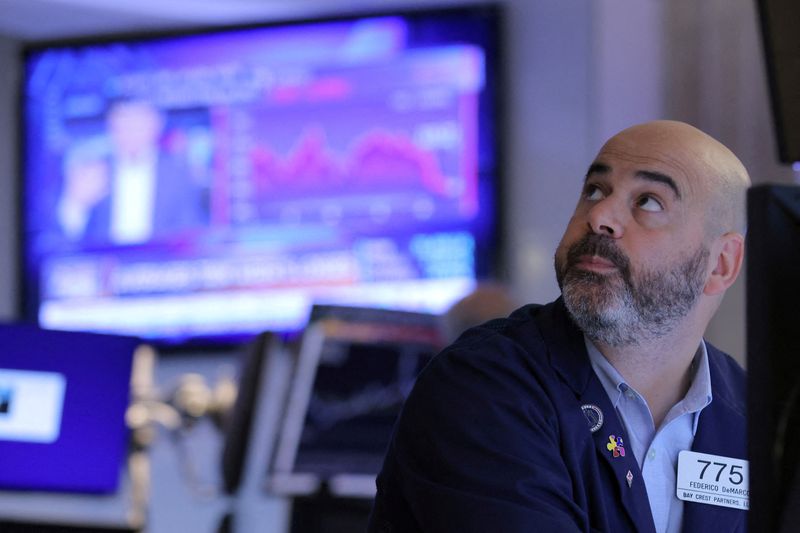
(599, 246)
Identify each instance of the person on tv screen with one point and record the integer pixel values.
(590, 412)
(124, 188)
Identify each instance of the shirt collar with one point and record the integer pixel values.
(697, 397)
(612, 381)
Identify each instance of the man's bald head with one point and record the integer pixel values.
(656, 237)
(718, 177)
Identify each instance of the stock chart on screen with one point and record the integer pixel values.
(216, 184)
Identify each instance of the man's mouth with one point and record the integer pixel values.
(595, 263)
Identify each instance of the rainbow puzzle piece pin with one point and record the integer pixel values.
(615, 446)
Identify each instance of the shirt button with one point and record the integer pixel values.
(630, 394)
(652, 454)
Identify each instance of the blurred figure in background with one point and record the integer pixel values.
(128, 189)
(489, 300)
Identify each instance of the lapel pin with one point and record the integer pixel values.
(615, 446)
(629, 477)
(593, 415)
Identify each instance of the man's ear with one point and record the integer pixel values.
(728, 252)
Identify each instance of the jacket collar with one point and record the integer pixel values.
(570, 360)
(567, 355)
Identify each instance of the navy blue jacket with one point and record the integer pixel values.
(493, 438)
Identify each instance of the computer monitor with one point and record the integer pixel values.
(354, 371)
(781, 41)
(63, 398)
(263, 361)
(773, 361)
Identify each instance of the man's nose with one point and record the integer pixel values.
(605, 218)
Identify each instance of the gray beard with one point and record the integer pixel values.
(623, 309)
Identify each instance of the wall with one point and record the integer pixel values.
(548, 134)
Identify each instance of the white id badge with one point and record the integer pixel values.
(713, 480)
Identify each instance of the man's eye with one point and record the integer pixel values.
(648, 203)
(593, 192)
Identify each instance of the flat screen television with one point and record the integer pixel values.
(781, 42)
(209, 185)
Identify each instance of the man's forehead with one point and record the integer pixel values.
(655, 154)
(670, 145)
(650, 145)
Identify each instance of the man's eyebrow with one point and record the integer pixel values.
(658, 177)
(597, 168)
(649, 175)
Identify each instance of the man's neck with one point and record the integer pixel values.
(659, 370)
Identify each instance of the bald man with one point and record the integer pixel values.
(604, 410)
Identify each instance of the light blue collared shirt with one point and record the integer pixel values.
(656, 449)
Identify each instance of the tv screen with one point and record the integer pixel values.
(211, 185)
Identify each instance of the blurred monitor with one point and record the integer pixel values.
(206, 186)
(63, 398)
(781, 41)
(773, 364)
(353, 374)
(265, 371)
